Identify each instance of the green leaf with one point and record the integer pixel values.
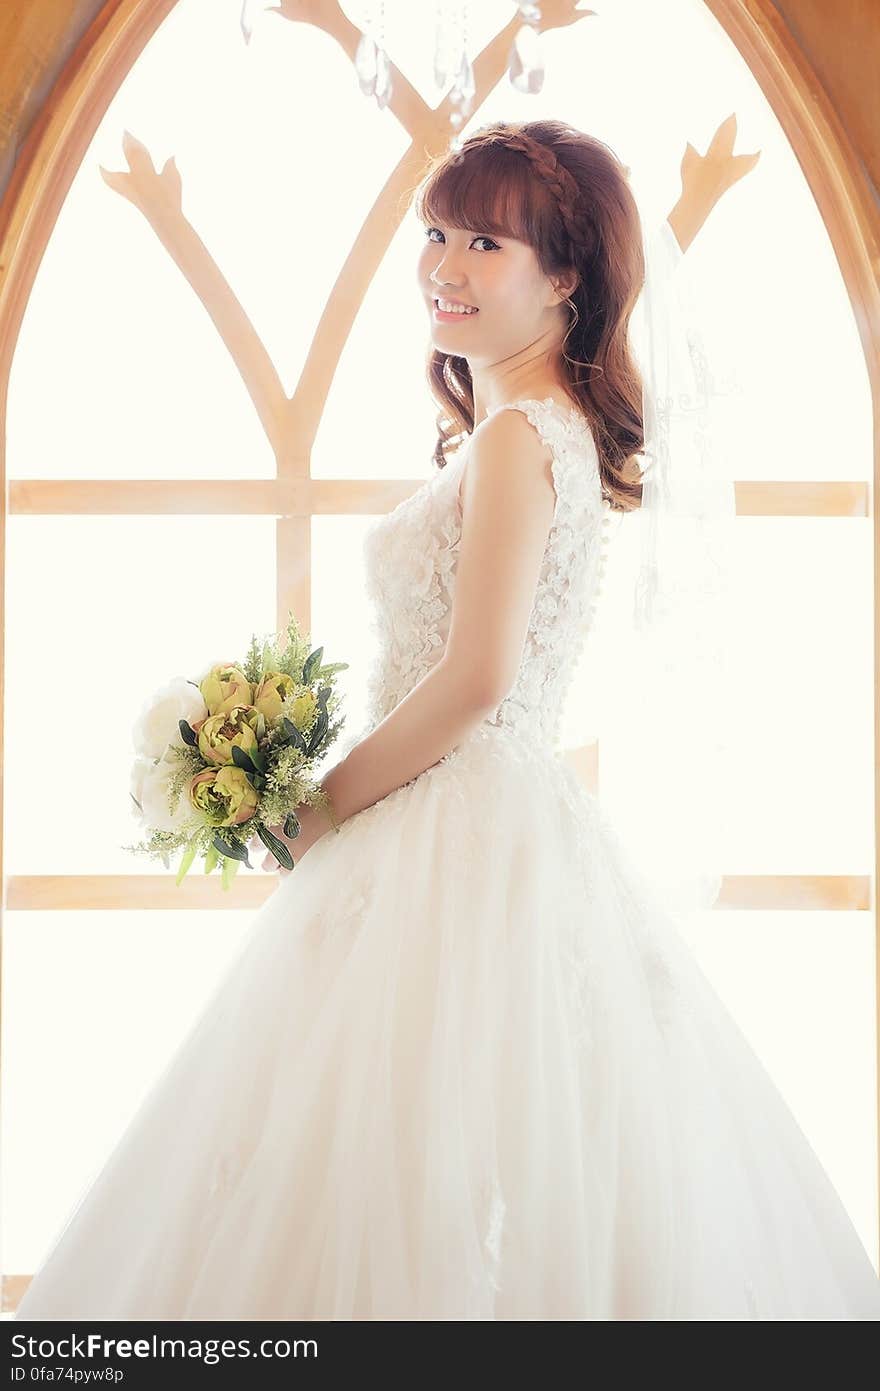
(242, 760)
(292, 827)
(187, 733)
(211, 858)
(278, 848)
(293, 735)
(258, 759)
(230, 869)
(186, 860)
(320, 729)
(313, 660)
(232, 850)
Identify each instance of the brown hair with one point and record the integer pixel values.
(566, 195)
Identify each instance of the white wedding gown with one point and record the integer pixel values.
(463, 1065)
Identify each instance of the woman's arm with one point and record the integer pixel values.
(508, 502)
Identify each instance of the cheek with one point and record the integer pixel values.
(425, 262)
(512, 286)
(521, 302)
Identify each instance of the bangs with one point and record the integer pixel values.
(490, 190)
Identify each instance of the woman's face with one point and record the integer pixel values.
(516, 305)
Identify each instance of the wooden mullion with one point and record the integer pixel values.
(301, 496)
(77, 892)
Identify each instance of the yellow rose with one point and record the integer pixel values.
(225, 686)
(303, 709)
(275, 689)
(219, 733)
(224, 796)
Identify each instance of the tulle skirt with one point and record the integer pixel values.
(462, 1066)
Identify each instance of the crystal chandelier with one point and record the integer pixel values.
(452, 60)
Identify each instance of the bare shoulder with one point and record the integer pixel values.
(507, 457)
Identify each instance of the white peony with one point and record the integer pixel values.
(150, 785)
(157, 725)
(139, 770)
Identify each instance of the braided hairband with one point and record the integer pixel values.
(554, 175)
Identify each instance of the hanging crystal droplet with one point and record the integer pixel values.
(463, 91)
(366, 64)
(250, 9)
(442, 48)
(441, 69)
(526, 65)
(465, 84)
(383, 79)
(531, 14)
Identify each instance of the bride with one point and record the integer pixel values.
(463, 1065)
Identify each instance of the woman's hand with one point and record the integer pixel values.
(313, 826)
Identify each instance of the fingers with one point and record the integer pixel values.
(270, 864)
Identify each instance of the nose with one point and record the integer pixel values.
(452, 288)
(443, 275)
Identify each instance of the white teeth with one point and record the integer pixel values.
(449, 308)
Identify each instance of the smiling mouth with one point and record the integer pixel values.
(447, 314)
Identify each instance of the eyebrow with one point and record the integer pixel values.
(437, 222)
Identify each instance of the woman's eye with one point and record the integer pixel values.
(429, 230)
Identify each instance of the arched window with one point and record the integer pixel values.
(219, 380)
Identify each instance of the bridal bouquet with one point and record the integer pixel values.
(222, 759)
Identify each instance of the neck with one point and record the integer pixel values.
(535, 375)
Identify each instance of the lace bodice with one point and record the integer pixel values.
(411, 555)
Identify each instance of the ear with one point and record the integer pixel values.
(565, 285)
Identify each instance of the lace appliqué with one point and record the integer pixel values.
(345, 912)
(567, 593)
(411, 556)
(494, 1233)
(484, 1281)
(225, 1174)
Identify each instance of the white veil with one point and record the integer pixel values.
(675, 800)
